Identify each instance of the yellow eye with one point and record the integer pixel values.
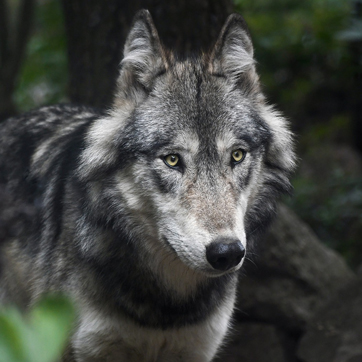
(238, 155)
(171, 160)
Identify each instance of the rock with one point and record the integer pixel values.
(257, 342)
(335, 332)
(293, 274)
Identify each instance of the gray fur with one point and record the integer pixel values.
(125, 235)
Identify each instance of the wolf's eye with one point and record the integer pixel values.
(171, 160)
(238, 155)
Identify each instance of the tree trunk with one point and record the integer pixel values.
(96, 31)
(356, 96)
(14, 37)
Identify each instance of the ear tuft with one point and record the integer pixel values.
(144, 56)
(233, 52)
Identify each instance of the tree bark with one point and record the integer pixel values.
(96, 31)
(356, 96)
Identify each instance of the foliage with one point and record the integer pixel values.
(39, 336)
(301, 59)
(43, 78)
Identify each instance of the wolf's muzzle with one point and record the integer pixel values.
(224, 254)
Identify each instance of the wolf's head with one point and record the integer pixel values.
(191, 158)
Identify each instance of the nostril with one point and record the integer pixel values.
(225, 254)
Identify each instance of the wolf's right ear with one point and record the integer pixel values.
(144, 58)
(232, 56)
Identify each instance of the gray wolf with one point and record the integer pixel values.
(145, 212)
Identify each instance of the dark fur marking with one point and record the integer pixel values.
(140, 296)
(64, 165)
(161, 184)
(219, 75)
(244, 181)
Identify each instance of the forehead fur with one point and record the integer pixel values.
(188, 98)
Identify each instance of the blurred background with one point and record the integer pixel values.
(309, 56)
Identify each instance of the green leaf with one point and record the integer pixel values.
(41, 336)
(12, 336)
(51, 322)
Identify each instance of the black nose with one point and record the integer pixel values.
(223, 254)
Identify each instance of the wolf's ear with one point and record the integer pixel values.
(233, 52)
(144, 57)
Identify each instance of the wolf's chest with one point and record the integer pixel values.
(101, 337)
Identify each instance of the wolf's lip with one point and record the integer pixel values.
(212, 273)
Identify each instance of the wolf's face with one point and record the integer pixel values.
(202, 155)
(199, 150)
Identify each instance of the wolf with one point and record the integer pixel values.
(143, 213)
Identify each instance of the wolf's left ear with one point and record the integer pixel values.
(144, 57)
(233, 52)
